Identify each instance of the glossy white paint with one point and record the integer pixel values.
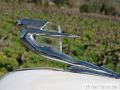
(45, 79)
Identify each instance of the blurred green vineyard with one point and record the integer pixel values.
(99, 40)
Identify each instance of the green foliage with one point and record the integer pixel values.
(84, 8)
(97, 39)
(61, 2)
(7, 64)
(98, 6)
(109, 10)
(92, 6)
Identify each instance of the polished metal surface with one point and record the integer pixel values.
(36, 27)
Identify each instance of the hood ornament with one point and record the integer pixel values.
(37, 27)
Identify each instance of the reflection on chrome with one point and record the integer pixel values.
(37, 27)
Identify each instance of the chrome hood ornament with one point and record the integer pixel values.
(36, 27)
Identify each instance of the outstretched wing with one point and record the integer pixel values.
(31, 23)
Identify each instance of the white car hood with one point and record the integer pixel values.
(44, 79)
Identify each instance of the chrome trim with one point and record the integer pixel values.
(27, 37)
